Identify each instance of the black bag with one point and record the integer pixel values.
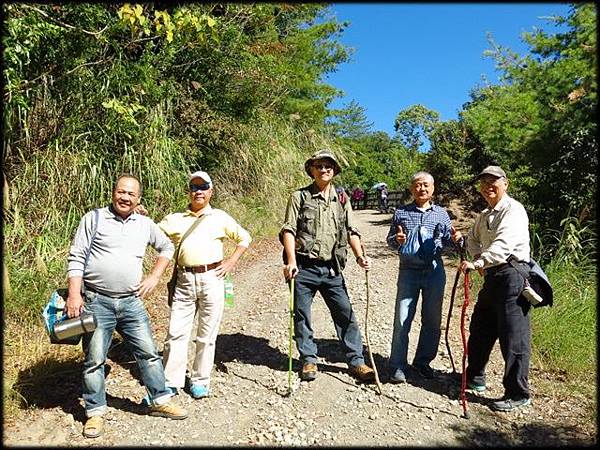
(536, 278)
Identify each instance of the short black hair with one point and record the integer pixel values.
(128, 175)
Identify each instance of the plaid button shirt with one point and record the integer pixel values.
(409, 217)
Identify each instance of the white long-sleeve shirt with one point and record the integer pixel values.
(499, 232)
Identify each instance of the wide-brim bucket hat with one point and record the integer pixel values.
(322, 154)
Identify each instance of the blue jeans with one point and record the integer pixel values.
(129, 317)
(310, 279)
(430, 283)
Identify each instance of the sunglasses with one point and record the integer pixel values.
(323, 166)
(199, 187)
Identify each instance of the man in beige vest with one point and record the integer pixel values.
(318, 226)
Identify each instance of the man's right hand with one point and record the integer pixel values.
(290, 271)
(74, 305)
(400, 236)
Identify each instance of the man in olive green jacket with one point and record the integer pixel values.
(318, 226)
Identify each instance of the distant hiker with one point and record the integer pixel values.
(113, 294)
(201, 269)
(383, 199)
(315, 235)
(419, 231)
(357, 195)
(501, 230)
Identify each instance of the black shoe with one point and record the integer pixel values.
(309, 372)
(426, 372)
(509, 404)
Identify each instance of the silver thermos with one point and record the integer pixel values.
(65, 329)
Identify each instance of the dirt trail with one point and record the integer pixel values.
(248, 403)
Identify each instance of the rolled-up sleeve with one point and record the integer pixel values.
(160, 241)
(290, 222)
(350, 221)
(236, 232)
(80, 246)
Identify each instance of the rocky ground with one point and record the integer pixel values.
(250, 403)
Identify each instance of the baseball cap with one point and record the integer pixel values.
(495, 171)
(203, 175)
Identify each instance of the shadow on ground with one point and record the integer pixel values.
(50, 384)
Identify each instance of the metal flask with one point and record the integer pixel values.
(70, 331)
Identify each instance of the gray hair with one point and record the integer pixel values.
(422, 174)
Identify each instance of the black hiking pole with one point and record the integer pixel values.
(461, 251)
(367, 327)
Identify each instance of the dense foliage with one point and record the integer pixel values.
(92, 90)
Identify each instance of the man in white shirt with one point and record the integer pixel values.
(501, 312)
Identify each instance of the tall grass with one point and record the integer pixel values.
(54, 188)
(564, 335)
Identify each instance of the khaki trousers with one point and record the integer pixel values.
(196, 293)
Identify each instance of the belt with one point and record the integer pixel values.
(130, 294)
(492, 270)
(306, 261)
(202, 267)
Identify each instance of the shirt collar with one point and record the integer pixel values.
(316, 192)
(416, 208)
(500, 205)
(207, 210)
(111, 214)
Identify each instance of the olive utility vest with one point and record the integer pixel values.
(306, 228)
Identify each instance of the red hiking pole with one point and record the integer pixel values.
(461, 251)
(463, 381)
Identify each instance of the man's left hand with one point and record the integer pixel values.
(364, 262)
(226, 266)
(147, 285)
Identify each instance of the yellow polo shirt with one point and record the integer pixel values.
(205, 244)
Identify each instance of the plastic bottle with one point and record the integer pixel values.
(228, 291)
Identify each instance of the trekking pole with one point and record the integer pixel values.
(367, 327)
(463, 381)
(460, 247)
(291, 334)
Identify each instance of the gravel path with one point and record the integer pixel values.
(250, 403)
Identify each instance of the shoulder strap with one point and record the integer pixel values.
(518, 267)
(95, 221)
(186, 234)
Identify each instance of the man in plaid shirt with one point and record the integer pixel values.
(419, 231)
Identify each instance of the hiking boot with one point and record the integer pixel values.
(426, 372)
(474, 386)
(398, 376)
(362, 372)
(509, 404)
(198, 391)
(93, 427)
(169, 410)
(309, 372)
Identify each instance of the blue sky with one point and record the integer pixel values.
(432, 54)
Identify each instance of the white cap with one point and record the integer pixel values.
(203, 175)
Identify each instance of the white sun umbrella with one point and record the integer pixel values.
(379, 185)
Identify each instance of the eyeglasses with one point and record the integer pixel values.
(199, 187)
(489, 182)
(323, 166)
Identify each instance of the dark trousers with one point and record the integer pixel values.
(314, 278)
(501, 313)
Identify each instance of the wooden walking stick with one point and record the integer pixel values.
(367, 327)
(291, 335)
(463, 380)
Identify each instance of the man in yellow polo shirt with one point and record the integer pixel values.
(200, 284)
